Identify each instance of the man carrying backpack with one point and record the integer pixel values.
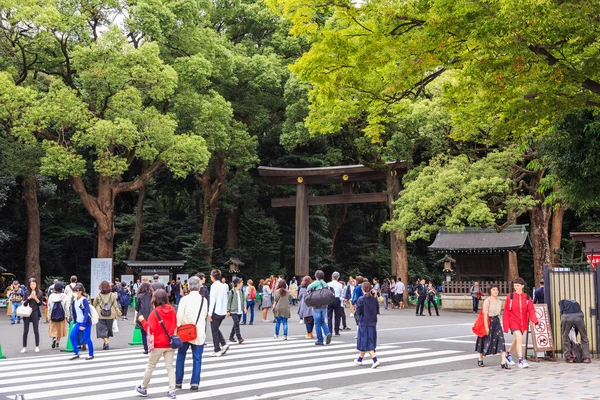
(518, 310)
(124, 300)
(571, 316)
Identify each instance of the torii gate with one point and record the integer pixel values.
(346, 174)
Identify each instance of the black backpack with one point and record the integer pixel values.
(58, 312)
(106, 309)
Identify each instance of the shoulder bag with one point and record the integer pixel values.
(187, 332)
(24, 311)
(174, 340)
(479, 326)
(319, 298)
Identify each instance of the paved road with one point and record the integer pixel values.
(262, 367)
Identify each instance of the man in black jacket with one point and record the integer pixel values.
(571, 316)
(421, 291)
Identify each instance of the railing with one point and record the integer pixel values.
(464, 287)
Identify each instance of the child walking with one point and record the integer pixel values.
(367, 308)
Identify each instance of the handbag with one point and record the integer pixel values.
(187, 332)
(380, 299)
(479, 325)
(478, 295)
(150, 340)
(319, 298)
(24, 311)
(115, 326)
(174, 340)
(94, 315)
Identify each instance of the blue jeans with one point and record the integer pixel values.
(319, 315)
(250, 307)
(13, 314)
(278, 322)
(87, 334)
(475, 303)
(385, 301)
(177, 298)
(196, 365)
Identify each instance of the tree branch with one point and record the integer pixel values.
(139, 181)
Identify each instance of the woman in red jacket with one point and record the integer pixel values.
(518, 310)
(165, 313)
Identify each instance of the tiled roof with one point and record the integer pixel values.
(481, 239)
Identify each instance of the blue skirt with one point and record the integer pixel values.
(367, 338)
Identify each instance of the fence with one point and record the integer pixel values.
(581, 286)
(464, 287)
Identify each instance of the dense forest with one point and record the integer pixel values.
(134, 129)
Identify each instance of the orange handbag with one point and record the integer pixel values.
(188, 332)
(479, 326)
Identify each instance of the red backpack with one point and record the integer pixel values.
(252, 294)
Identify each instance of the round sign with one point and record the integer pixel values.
(542, 340)
(541, 327)
(539, 312)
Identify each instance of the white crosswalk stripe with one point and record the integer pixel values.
(258, 368)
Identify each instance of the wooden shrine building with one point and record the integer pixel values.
(482, 252)
(344, 175)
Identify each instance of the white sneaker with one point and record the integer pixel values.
(351, 315)
(356, 362)
(375, 364)
(509, 360)
(224, 349)
(37, 349)
(24, 350)
(215, 354)
(356, 337)
(523, 364)
(301, 322)
(275, 337)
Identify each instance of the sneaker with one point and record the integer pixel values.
(337, 334)
(171, 394)
(37, 349)
(141, 391)
(346, 329)
(375, 364)
(355, 336)
(194, 388)
(216, 354)
(241, 341)
(19, 321)
(75, 357)
(301, 322)
(224, 349)
(318, 344)
(285, 337)
(89, 358)
(351, 315)
(24, 350)
(328, 339)
(12, 323)
(356, 362)
(232, 340)
(308, 336)
(509, 360)
(242, 323)
(180, 386)
(523, 364)
(251, 323)
(275, 337)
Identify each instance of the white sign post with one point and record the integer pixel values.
(101, 271)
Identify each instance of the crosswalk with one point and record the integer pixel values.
(257, 369)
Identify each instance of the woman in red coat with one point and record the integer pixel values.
(518, 310)
(165, 313)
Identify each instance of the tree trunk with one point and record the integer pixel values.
(105, 218)
(556, 236)
(32, 259)
(233, 222)
(398, 244)
(540, 218)
(513, 266)
(212, 192)
(337, 227)
(137, 233)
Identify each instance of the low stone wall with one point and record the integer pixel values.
(463, 302)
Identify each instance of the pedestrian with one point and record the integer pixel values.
(357, 294)
(350, 294)
(250, 302)
(217, 312)
(34, 299)
(367, 308)
(518, 310)
(192, 309)
(335, 309)
(571, 316)
(143, 306)
(399, 286)
(124, 300)
(421, 291)
(493, 341)
(157, 284)
(236, 308)
(177, 291)
(343, 310)
(136, 287)
(161, 323)
(281, 309)
(108, 309)
(476, 296)
(319, 313)
(259, 290)
(266, 299)
(294, 291)
(305, 312)
(80, 310)
(385, 291)
(431, 299)
(15, 296)
(58, 304)
(538, 294)
(203, 289)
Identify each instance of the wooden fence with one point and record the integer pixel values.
(464, 287)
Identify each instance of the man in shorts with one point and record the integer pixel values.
(518, 311)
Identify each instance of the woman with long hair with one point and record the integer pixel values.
(493, 342)
(80, 310)
(34, 298)
(143, 306)
(266, 299)
(305, 312)
(281, 309)
(161, 323)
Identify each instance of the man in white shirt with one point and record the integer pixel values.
(336, 305)
(217, 312)
(192, 309)
(400, 292)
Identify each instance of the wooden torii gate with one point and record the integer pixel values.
(346, 174)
